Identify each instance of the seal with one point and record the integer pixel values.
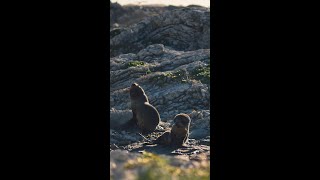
(145, 115)
(180, 129)
(164, 139)
(179, 132)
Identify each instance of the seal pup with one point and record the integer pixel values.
(180, 129)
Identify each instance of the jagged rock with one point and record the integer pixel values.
(181, 29)
(127, 15)
(169, 56)
(115, 12)
(199, 133)
(169, 84)
(119, 117)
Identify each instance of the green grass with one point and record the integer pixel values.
(202, 74)
(158, 168)
(177, 76)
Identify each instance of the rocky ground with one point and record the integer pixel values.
(166, 50)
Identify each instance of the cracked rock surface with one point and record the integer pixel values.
(181, 29)
(168, 55)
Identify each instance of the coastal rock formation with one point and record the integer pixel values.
(184, 29)
(168, 54)
(175, 82)
(124, 16)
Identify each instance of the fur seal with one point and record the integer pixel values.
(180, 129)
(179, 132)
(164, 139)
(145, 115)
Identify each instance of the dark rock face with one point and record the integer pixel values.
(124, 16)
(181, 29)
(115, 12)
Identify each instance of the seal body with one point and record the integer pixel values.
(164, 139)
(179, 133)
(144, 114)
(180, 129)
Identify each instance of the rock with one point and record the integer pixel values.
(181, 29)
(166, 51)
(119, 161)
(119, 117)
(168, 93)
(205, 142)
(123, 16)
(113, 147)
(199, 133)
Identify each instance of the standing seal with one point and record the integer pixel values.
(144, 114)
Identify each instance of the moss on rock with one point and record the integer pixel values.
(135, 63)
